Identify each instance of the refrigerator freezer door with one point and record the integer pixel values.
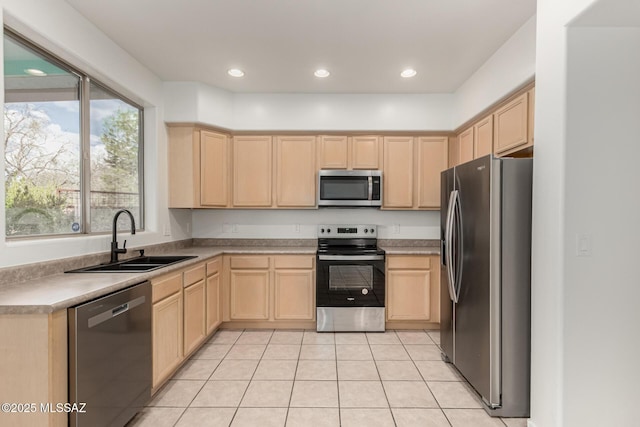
(446, 305)
(475, 311)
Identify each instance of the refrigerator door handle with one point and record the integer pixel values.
(449, 245)
(457, 229)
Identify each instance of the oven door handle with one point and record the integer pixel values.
(370, 192)
(351, 257)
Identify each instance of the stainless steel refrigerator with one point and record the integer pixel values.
(485, 295)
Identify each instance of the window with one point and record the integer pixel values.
(73, 147)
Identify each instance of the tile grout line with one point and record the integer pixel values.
(207, 380)
(380, 377)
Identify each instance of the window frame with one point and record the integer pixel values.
(84, 99)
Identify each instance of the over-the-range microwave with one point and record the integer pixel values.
(344, 188)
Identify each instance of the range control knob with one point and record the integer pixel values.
(372, 230)
(366, 230)
(365, 291)
(328, 230)
(322, 230)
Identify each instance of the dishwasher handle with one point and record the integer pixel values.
(114, 312)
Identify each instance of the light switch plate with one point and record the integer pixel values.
(584, 245)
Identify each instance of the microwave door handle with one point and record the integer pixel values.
(370, 187)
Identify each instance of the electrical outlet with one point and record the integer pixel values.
(396, 228)
(188, 227)
(234, 228)
(167, 230)
(296, 228)
(226, 228)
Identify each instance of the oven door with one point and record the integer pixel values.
(350, 281)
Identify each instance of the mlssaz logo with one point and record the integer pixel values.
(481, 167)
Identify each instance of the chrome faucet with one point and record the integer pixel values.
(114, 241)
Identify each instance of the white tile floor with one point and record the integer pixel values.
(302, 378)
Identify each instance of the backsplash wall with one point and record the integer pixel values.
(302, 224)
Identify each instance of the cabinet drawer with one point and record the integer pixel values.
(194, 275)
(165, 286)
(412, 261)
(213, 266)
(294, 261)
(249, 262)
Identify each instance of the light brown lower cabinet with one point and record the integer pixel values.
(214, 274)
(413, 288)
(186, 309)
(194, 316)
(167, 337)
(34, 367)
(271, 288)
(249, 294)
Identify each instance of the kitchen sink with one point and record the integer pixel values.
(134, 265)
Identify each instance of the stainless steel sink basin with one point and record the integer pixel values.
(134, 265)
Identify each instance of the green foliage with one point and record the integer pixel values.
(120, 138)
(35, 209)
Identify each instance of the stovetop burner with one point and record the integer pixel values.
(348, 239)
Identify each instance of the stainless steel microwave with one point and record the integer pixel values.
(344, 188)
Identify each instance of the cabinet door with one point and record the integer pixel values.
(409, 295)
(249, 297)
(294, 295)
(397, 175)
(252, 171)
(184, 160)
(213, 302)
(214, 169)
(296, 171)
(432, 152)
(365, 152)
(167, 337)
(194, 316)
(483, 141)
(466, 145)
(510, 122)
(332, 152)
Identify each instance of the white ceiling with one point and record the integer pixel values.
(279, 43)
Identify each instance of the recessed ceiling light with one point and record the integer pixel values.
(35, 72)
(409, 72)
(235, 72)
(322, 73)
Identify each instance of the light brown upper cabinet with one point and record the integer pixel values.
(252, 171)
(511, 125)
(215, 153)
(354, 152)
(483, 137)
(333, 152)
(397, 175)
(432, 159)
(365, 152)
(295, 171)
(198, 168)
(466, 145)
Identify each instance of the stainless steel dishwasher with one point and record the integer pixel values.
(110, 357)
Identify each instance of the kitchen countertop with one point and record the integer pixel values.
(60, 291)
(410, 250)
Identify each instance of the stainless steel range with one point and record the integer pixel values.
(350, 282)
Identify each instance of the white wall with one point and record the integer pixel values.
(197, 102)
(587, 105)
(602, 202)
(59, 28)
(395, 112)
(281, 224)
(512, 65)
